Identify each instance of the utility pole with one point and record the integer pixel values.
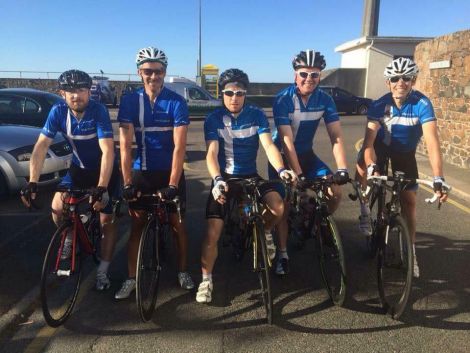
(199, 74)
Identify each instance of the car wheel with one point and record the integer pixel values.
(362, 110)
(3, 187)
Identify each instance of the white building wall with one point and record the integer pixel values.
(356, 59)
(375, 86)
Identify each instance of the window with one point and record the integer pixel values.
(11, 105)
(31, 106)
(196, 94)
(343, 94)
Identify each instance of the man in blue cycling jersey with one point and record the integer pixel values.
(87, 127)
(297, 112)
(233, 134)
(395, 125)
(159, 119)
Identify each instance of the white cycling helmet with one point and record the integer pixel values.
(400, 67)
(151, 54)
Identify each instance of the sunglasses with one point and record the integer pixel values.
(305, 74)
(395, 79)
(230, 93)
(150, 72)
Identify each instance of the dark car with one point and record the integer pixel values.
(346, 101)
(25, 106)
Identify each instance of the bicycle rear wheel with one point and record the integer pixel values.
(395, 267)
(262, 268)
(148, 270)
(330, 256)
(59, 282)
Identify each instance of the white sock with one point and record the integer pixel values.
(207, 277)
(103, 266)
(283, 254)
(414, 251)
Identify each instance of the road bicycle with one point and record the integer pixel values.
(390, 240)
(75, 239)
(153, 242)
(310, 217)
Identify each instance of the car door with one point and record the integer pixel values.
(198, 101)
(20, 110)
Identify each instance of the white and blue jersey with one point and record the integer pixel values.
(304, 119)
(401, 128)
(82, 134)
(238, 138)
(153, 126)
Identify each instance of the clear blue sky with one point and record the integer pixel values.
(258, 36)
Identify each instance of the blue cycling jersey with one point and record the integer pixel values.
(153, 126)
(289, 109)
(401, 129)
(82, 134)
(238, 138)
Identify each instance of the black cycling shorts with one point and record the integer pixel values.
(216, 210)
(150, 181)
(80, 178)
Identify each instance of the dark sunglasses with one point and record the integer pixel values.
(230, 93)
(305, 74)
(395, 79)
(150, 72)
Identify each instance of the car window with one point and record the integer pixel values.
(343, 94)
(31, 106)
(11, 105)
(197, 94)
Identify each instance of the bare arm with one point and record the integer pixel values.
(211, 158)
(431, 139)
(38, 157)
(107, 161)
(368, 144)
(179, 136)
(273, 154)
(287, 138)
(126, 134)
(336, 138)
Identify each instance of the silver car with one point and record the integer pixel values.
(16, 146)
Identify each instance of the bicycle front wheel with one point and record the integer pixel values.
(60, 277)
(394, 267)
(148, 270)
(262, 266)
(330, 256)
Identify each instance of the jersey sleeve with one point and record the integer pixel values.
(375, 111)
(104, 127)
(126, 113)
(52, 126)
(426, 111)
(331, 114)
(263, 123)
(210, 128)
(181, 113)
(281, 110)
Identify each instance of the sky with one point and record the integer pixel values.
(258, 36)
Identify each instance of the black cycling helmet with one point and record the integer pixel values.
(73, 79)
(309, 58)
(233, 75)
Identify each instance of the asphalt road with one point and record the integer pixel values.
(437, 317)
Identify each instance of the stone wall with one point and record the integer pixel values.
(449, 90)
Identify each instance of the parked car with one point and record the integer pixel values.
(102, 92)
(25, 106)
(16, 147)
(346, 101)
(200, 101)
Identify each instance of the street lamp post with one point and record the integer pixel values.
(199, 75)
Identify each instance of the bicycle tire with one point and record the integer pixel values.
(395, 273)
(330, 256)
(148, 270)
(95, 236)
(260, 251)
(57, 299)
(371, 241)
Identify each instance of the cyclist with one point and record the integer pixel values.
(87, 127)
(297, 112)
(159, 119)
(232, 134)
(395, 125)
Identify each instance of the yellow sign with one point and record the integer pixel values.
(210, 69)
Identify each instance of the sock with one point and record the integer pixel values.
(365, 210)
(103, 266)
(207, 277)
(283, 254)
(414, 251)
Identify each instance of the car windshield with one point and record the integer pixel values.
(53, 98)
